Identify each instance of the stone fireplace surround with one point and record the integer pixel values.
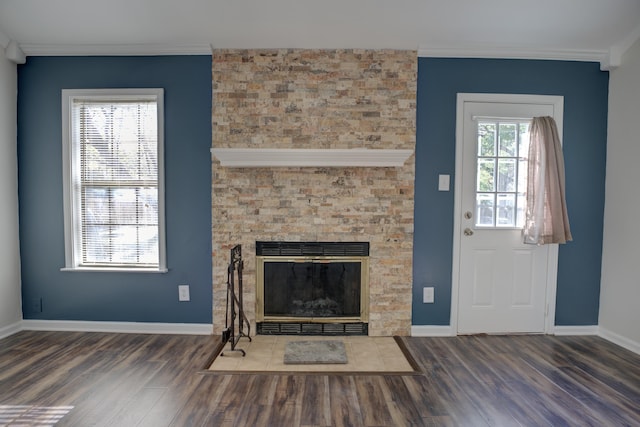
(317, 99)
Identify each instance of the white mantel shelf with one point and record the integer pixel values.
(307, 157)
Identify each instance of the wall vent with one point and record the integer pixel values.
(312, 248)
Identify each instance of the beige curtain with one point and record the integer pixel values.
(546, 218)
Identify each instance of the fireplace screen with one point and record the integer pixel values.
(312, 284)
(316, 288)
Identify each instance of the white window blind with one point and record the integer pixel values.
(114, 179)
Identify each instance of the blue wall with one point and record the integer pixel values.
(585, 91)
(133, 297)
(187, 84)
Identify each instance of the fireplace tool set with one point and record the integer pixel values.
(234, 308)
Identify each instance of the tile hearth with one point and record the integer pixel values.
(265, 353)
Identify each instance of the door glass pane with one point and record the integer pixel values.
(520, 203)
(485, 208)
(486, 139)
(523, 142)
(522, 175)
(486, 172)
(506, 205)
(523, 153)
(506, 174)
(508, 139)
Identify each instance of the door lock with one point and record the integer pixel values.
(468, 215)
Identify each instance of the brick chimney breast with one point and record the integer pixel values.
(291, 98)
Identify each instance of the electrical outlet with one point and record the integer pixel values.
(183, 293)
(427, 295)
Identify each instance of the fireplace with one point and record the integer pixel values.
(312, 288)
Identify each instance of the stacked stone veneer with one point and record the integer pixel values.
(317, 99)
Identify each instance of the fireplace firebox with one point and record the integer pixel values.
(312, 288)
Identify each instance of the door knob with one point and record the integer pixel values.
(468, 232)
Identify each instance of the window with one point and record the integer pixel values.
(501, 177)
(113, 179)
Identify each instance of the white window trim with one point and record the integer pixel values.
(71, 251)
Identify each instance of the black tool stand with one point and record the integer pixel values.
(234, 304)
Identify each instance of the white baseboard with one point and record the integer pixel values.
(576, 330)
(10, 329)
(447, 330)
(118, 327)
(619, 340)
(432, 331)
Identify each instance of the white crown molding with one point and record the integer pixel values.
(302, 157)
(14, 53)
(118, 327)
(601, 56)
(618, 50)
(31, 49)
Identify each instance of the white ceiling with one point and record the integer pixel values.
(556, 29)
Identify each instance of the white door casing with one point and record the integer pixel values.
(499, 284)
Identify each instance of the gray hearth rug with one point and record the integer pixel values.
(315, 352)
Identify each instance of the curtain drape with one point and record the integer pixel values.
(546, 219)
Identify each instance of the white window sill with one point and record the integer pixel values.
(115, 270)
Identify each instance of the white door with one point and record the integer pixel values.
(503, 285)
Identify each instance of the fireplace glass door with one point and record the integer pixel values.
(312, 288)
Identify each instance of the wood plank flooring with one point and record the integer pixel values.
(100, 379)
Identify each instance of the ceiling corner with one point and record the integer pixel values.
(617, 51)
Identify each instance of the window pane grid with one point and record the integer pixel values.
(501, 173)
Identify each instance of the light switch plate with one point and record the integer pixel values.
(427, 295)
(183, 293)
(443, 182)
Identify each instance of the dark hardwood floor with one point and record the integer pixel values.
(99, 379)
